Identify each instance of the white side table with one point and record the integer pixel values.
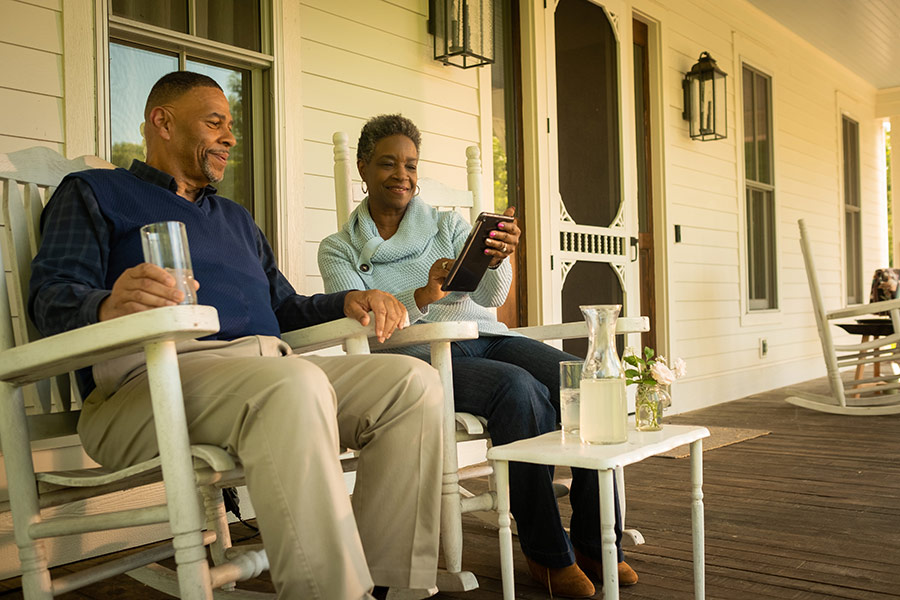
(552, 449)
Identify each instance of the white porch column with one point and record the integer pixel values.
(895, 185)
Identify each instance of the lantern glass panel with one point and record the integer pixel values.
(464, 32)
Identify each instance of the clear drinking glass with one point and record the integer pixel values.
(569, 393)
(165, 244)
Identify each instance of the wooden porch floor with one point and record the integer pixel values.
(809, 512)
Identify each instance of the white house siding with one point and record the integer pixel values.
(360, 59)
(31, 87)
(710, 326)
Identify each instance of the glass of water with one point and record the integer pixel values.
(165, 244)
(569, 395)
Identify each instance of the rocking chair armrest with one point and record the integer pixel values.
(578, 329)
(427, 333)
(863, 309)
(86, 346)
(327, 335)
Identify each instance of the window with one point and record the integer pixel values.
(759, 190)
(852, 226)
(219, 38)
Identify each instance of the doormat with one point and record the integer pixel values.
(718, 437)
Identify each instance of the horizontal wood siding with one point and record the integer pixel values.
(361, 59)
(31, 85)
(709, 324)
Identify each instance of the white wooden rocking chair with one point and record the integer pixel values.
(36, 404)
(459, 426)
(878, 395)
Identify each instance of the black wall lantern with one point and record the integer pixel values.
(705, 103)
(463, 31)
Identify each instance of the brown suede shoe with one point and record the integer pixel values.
(627, 576)
(567, 582)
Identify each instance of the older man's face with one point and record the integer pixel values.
(201, 137)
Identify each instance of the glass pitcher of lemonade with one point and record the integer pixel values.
(604, 408)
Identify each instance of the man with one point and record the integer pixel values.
(282, 415)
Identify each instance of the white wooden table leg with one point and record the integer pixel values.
(185, 518)
(697, 523)
(501, 479)
(608, 536)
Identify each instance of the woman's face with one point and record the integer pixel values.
(391, 173)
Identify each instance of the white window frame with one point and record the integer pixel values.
(751, 53)
(845, 208)
(263, 85)
(850, 107)
(768, 190)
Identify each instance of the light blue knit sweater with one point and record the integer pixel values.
(357, 258)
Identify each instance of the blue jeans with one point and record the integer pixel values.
(513, 382)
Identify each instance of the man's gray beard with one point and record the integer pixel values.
(208, 172)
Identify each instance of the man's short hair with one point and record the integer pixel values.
(174, 85)
(382, 126)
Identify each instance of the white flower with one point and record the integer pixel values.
(629, 350)
(679, 367)
(662, 374)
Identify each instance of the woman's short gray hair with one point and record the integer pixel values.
(382, 126)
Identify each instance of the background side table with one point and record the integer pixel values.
(552, 449)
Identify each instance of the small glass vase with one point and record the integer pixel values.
(604, 408)
(648, 406)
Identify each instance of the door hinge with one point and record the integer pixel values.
(551, 262)
(548, 124)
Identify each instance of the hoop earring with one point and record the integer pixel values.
(417, 190)
(364, 187)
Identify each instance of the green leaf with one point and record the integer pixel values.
(631, 359)
(648, 352)
(632, 373)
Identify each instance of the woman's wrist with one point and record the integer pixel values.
(422, 298)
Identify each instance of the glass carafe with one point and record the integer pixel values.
(604, 408)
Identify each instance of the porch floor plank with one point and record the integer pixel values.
(809, 512)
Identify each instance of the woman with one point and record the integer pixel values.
(396, 242)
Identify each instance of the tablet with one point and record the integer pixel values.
(470, 266)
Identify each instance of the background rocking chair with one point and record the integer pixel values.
(459, 426)
(877, 395)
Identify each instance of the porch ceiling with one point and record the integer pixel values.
(863, 35)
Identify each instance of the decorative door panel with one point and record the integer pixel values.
(585, 130)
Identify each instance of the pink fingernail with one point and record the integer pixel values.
(486, 251)
(493, 234)
(501, 225)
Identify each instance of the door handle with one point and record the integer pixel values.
(634, 248)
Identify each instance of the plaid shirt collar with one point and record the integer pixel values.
(156, 177)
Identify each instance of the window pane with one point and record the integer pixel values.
(168, 14)
(757, 240)
(232, 22)
(238, 182)
(749, 125)
(851, 224)
(132, 72)
(762, 129)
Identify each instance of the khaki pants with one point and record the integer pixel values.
(284, 417)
